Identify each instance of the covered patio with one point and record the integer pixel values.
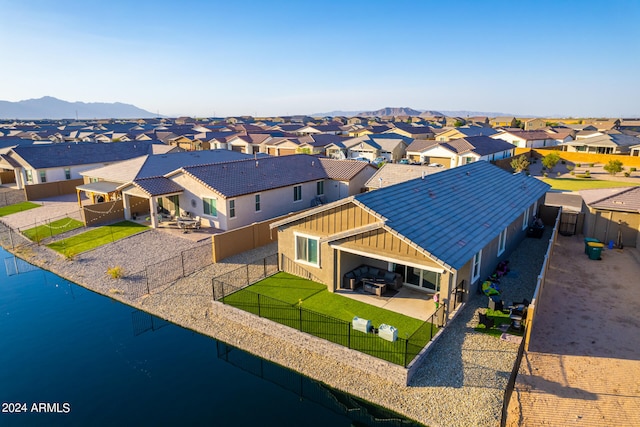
(407, 301)
(163, 196)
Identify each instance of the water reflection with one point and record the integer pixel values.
(114, 366)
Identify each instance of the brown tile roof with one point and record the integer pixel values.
(343, 170)
(625, 199)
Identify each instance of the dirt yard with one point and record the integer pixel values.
(583, 363)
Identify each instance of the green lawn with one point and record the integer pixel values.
(17, 207)
(575, 184)
(500, 318)
(96, 237)
(309, 307)
(52, 229)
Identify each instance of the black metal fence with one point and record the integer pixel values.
(289, 266)
(401, 351)
(244, 276)
(165, 272)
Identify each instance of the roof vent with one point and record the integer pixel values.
(380, 182)
(422, 174)
(256, 163)
(468, 173)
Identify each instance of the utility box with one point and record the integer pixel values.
(388, 332)
(362, 325)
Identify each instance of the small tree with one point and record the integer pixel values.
(458, 123)
(520, 163)
(613, 167)
(550, 160)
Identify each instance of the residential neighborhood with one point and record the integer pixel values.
(424, 218)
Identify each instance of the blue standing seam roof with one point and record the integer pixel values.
(455, 213)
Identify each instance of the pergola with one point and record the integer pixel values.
(108, 190)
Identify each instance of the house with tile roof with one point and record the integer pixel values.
(395, 173)
(614, 143)
(613, 215)
(447, 134)
(534, 124)
(233, 194)
(443, 233)
(532, 138)
(461, 151)
(36, 164)
(503, 121)
(391, 146)
(102, 183)
(411, 131)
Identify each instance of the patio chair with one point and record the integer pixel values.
(486, 321)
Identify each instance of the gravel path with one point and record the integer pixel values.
(460, 383)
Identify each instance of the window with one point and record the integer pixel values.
(67, 173)
(232, 208)
(475, 267)
(320, 188)
(525, 220)
(43, 176)
(297, 193)
(29, 176)
(307, 249)
(257, 203)
(502, 241)
(209, 207)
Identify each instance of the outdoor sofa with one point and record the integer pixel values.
(365, 272)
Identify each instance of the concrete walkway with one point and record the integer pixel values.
(583, 363)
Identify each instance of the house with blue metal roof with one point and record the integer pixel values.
(442, 233)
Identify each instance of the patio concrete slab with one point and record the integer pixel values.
(407, 301)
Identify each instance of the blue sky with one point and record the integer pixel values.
(205, 58)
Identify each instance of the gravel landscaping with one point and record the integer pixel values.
(461, 382)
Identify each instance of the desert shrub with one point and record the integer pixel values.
(632, 169)
(627, 174)
(115, 272)
(570, 168)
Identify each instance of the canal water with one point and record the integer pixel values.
(69, 356)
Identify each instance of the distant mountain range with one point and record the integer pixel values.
(53, 108)
(406, 111)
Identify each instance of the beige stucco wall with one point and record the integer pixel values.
(273, 203)
(603, 225)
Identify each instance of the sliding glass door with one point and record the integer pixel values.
(424, 279)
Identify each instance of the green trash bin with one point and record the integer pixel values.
(586, 243)
(595, 249)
